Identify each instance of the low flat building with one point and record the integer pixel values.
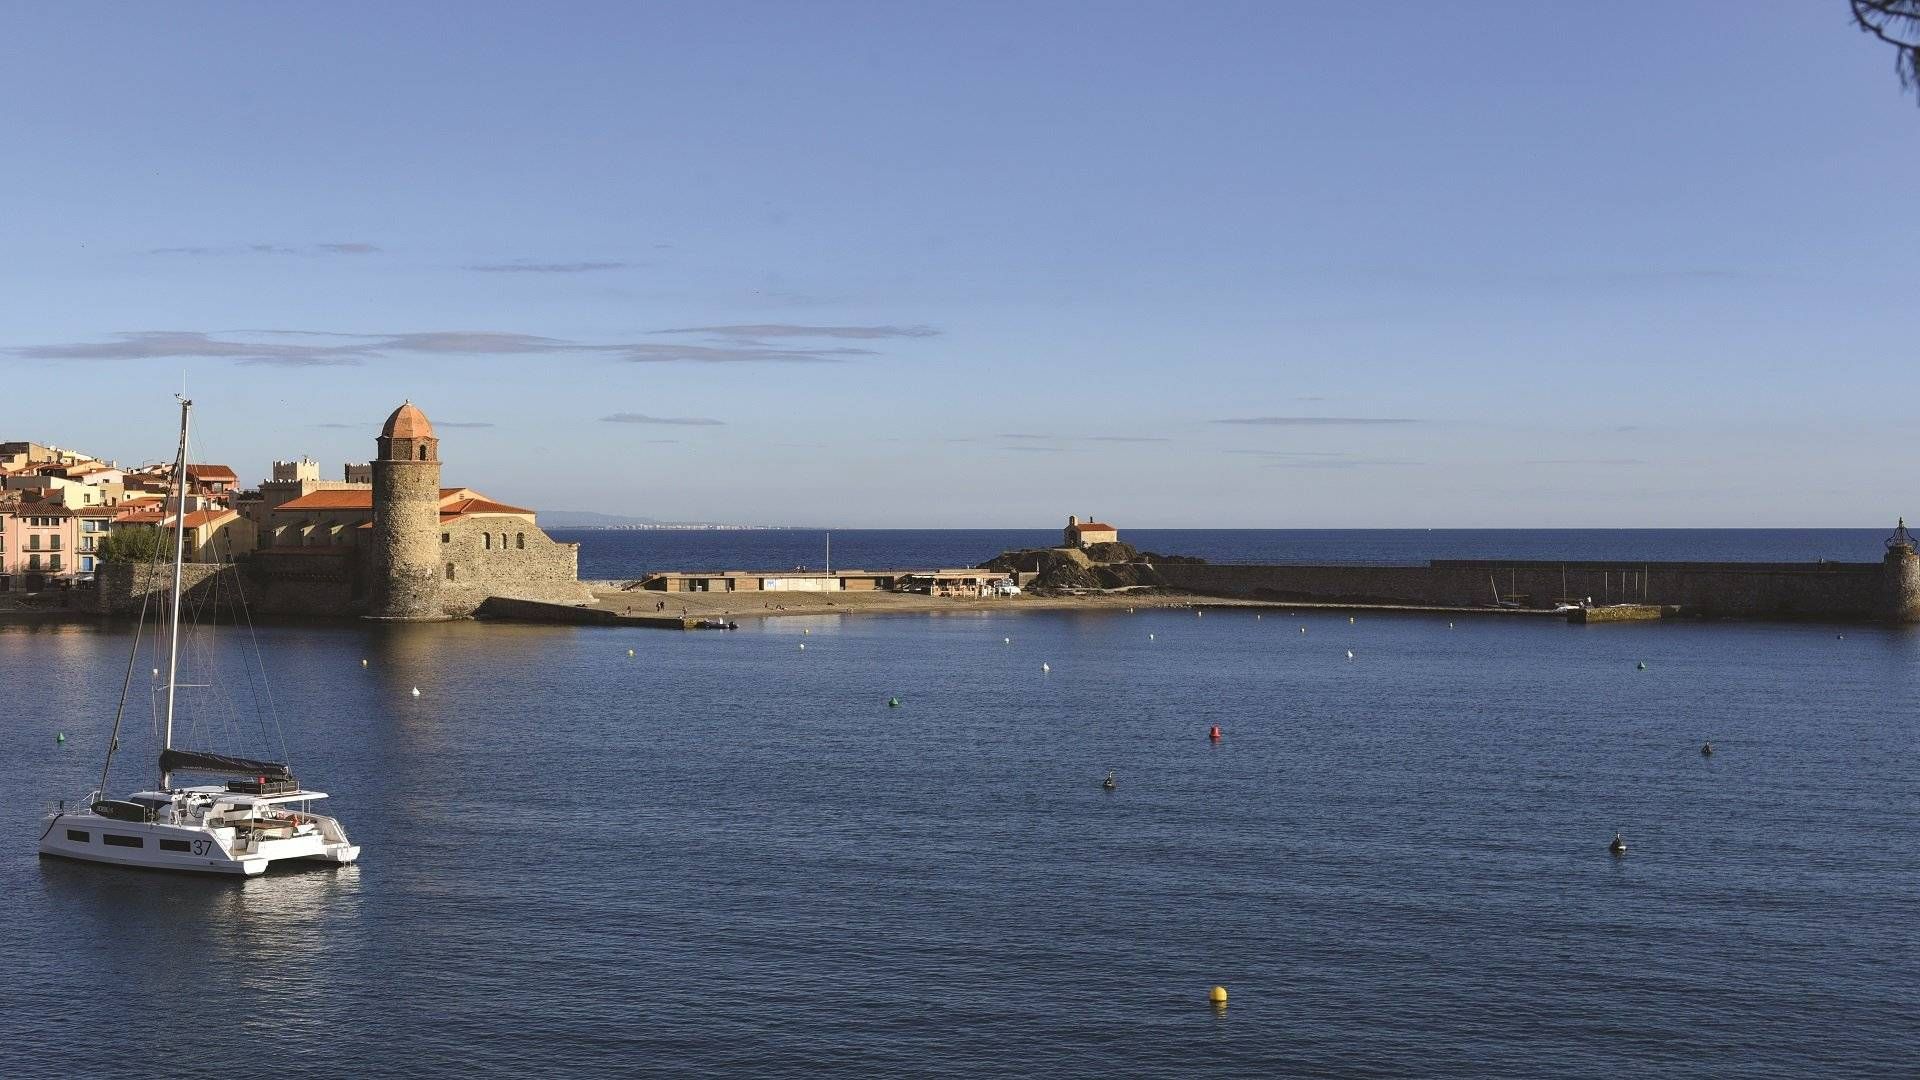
(962, 582)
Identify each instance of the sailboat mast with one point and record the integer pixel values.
(179, 558)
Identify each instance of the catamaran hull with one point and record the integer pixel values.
(154, 846)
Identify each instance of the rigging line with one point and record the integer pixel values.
(266, 687)
(126, 684)
(231, 716)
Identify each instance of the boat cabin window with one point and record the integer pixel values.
(175, 845)
(79, 835)
(122, 841)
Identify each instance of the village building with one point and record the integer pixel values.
(1081, 534)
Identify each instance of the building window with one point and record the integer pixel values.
(175, 845)
(503, 541)
(423, 453)
(520, 541)
(487, 538)
(446, 538)
(78, 835)
(112, 840)
(86, 563)
(449, 571)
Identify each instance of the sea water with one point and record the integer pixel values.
(728, 856)
(619, 553)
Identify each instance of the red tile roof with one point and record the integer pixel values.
(214, 473)
(462, 507)
(407, 422)
(198, 518)
(338, 499)
(1095, 526)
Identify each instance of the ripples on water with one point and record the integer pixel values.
(727, 856)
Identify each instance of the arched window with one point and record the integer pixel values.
(520, 541)
(449, 571)
(503, 541)
(423, 453)
(487, 538)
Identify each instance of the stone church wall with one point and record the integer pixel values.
(485, 555)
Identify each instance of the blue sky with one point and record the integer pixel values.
(1262, 264)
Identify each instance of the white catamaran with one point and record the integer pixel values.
(238, 827)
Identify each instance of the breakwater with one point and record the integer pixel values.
(1887, 590)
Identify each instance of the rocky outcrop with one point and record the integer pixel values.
(1097, 566)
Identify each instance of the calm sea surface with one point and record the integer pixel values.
(612, 554)
(727, 856)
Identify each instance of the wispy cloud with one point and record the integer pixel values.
(1022, 435)
(1316, 421)
(463, 424)
(547, 268)
(733, 354)
(162, 344)
(1319, 459)
(326, 348)
(301, 361)
(1585, 461)
(677, 421)
(345, 248)
(777, 330)
(1036, 449)
(1128, 438)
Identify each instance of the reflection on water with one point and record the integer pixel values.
(723, 855)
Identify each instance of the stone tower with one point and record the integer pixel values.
(1900, 578)
(405, 557)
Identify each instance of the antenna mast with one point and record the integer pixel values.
(179, 556)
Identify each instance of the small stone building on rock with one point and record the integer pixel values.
(1081, 534)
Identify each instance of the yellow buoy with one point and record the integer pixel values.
(1218, 996)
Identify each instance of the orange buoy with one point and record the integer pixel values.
(1214, 732)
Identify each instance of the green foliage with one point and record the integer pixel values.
(138, 544)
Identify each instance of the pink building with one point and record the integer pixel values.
(40, 544)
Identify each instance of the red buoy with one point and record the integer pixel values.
(1214, 732)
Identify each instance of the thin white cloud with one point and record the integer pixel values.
(1316, 421)
(774, 330)
(677, 421)
(547, 268)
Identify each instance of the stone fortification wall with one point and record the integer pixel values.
(1712, 590)
(121, 587)
(483, 556)
(304, 582)
(315, 585)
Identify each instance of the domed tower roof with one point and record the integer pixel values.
(407, 422)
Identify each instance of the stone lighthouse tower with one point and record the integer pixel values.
(406, 518)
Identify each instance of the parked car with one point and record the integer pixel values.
(1002, 588)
